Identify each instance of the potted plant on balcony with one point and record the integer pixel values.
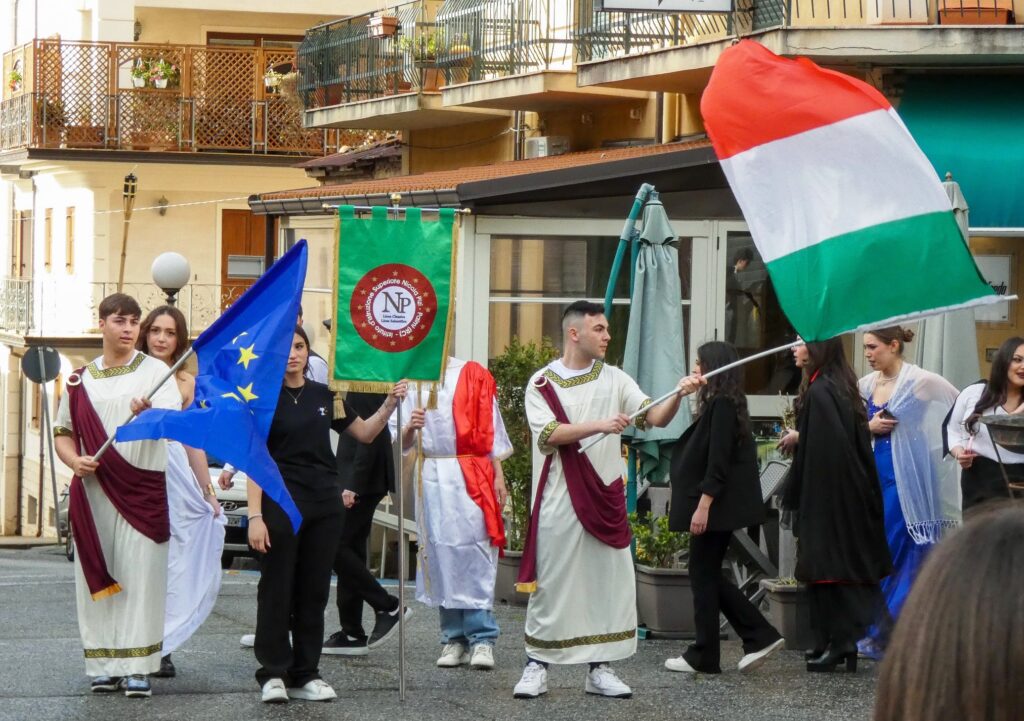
(14, 80)
(272, 80)
(664, 599)
(163, 73)
(382, 26)
(512, 369)
(140, 73)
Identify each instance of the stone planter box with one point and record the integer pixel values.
(505, 582)
(789, 611)
(664, 602)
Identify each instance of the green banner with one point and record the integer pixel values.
(392, 298)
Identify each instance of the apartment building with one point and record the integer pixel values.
(193, 100)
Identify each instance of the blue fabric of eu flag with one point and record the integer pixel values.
(242, 359)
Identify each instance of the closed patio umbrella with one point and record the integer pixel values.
(947, 344)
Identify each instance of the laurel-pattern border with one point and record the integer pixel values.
(561, 382)
(581, 640)
(545, 434)
(137, 652)
(641, 420)
(100, 373)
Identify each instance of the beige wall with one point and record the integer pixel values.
(588, 128)
(459, 147)
(189, 27)
(992, 335)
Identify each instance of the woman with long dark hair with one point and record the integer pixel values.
(715, 490)
(836, 501)
(295, 583)
(971, 445)
(197, 525)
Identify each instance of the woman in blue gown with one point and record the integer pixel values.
(919, 490)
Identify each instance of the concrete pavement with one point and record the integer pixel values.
(41, 674)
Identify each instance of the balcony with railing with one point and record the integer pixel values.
(48, 307)
(380, 69)
(134, 96)
(675, 52)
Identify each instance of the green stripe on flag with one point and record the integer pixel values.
(903, 267)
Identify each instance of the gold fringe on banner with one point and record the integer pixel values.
(339, 406)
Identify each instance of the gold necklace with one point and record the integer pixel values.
(295, 397)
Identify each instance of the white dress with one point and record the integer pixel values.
(584, 607)
(122, 634)
(456, 563)
(193, 559)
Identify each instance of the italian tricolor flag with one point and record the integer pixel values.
(846, 211)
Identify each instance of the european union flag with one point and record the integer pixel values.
(242, 359)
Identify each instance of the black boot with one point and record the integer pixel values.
(836, 654)
(813, 654)
(167, 669)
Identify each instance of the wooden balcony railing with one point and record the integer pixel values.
(134, 96)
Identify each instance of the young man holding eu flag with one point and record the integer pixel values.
(118, 505)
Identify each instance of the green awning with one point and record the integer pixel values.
(970, 125)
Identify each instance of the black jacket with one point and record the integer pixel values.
(708, 458)
(368, 469)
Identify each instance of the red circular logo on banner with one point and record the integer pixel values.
(393, 307)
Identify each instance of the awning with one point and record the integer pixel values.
(971, 126)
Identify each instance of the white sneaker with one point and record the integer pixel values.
(679, 664)
(533, 683)
(274, 691)
(753, 660)
(482, 657)
(453, 654)
(315, 690)
(603, 682)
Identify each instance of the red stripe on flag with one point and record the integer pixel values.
(754, 97)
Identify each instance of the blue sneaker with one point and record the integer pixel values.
(136, 686)
(105, 684)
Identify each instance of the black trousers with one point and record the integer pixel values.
(713, 594)
(841, 613)
(355, 582)
(294, 588)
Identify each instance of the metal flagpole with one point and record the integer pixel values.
(49, 433)
(173, 369)
(402, 553)
(709, 374)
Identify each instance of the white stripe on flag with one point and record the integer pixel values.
(853, 174)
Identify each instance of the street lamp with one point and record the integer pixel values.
(171, 273)
(131, 184)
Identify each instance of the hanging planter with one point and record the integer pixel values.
(382, 26)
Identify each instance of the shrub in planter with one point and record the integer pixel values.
(512, 369)
(664, 599)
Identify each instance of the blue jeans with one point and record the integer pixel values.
(468, 626)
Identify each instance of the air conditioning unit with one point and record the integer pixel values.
(546, 145)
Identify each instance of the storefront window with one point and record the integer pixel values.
(754, 321)
(533, 279)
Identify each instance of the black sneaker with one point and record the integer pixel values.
(386, 625)
(341, 644)
(167, 669)
(105, 684)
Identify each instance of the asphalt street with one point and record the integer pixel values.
(42, 672)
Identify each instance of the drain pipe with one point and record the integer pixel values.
(519, 133)
(659, 118)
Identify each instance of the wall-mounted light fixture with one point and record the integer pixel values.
(138, 31)
(162, 202)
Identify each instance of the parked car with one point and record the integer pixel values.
(234, 504)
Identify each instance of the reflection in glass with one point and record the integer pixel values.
(754, 321)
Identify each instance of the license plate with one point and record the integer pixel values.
(237, 521)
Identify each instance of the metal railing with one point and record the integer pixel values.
(134, 96)
(361, 58)
(66, 307)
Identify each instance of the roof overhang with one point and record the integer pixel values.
(535, 92)
(409, 111)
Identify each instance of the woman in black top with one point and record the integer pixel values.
(833, 492)
(715, 490)
(296, 568)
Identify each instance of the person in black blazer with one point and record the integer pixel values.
(715, 490)
(366, 473)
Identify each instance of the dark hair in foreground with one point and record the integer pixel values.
(957, 651)
(729, 384)
(119, 304)
(995, 390)
(828, 360)
(180, 327)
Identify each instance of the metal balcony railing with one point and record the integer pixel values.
(67, 307)
(485, 39)
(369, 56)
(134, 96)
